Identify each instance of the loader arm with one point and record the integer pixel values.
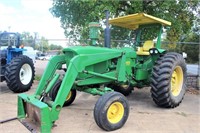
(76, 65)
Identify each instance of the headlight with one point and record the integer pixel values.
(151, 51)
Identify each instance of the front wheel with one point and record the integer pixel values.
(111, 111)
(69, 99)
(168, 81)
(20, 74)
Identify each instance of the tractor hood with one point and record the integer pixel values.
(77, 50)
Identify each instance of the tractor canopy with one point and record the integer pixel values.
(146, 27)
(135, 20)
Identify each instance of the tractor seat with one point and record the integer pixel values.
(145, 49)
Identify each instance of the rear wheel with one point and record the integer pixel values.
(69, 99)
(168, 82)
(111, 111)
(20, 74)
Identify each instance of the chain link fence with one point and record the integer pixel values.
(193, 79)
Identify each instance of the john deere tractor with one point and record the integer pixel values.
(15, 68)
(109, 73)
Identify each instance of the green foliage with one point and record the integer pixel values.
(196, 27)
(55, 47)
(38, 77)
(189, 45)
(43, 45)
(75, 15)
(39, 44)
(27, 39)
(192, 50)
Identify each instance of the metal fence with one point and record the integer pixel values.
(193, 81)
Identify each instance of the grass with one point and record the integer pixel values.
(38, 77)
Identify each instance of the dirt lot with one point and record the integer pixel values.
(144, 115)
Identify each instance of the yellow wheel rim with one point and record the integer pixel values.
(124, 86)
(177, 81)
(69, 95)
(115, 112)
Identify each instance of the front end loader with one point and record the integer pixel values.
(110, 73)
(88, 69)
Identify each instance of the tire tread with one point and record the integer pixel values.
(161, 78)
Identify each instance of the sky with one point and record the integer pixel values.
(30, 16)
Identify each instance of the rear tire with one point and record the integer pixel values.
(69, 99)
(168, 81)
(111, 111)
(20, 73)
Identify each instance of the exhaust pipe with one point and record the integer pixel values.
(107, 31)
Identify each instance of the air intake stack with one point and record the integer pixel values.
(93, 33)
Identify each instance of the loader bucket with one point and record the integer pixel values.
(34, 114)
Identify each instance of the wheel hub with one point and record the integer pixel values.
(115, 112)
(177, 81)
(22, 72)
(125, 86)
(25, 74)
(69, 95)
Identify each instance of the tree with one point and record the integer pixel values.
(75, 15)
(196, 27)
(43, 45)
(55, 47)
(192, 50)
(27, 39)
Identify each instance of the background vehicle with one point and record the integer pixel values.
(45, 57)
(100, 71)
(16, 69)
(30, 52)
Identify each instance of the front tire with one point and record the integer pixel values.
(69, 99)
(20, 74)
(168, 81)
(111, 111)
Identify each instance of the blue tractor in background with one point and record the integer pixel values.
(15, 68)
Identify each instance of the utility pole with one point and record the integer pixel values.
(9, 27)
(198, 82)
(35, 37)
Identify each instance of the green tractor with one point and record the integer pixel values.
(109, 73)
